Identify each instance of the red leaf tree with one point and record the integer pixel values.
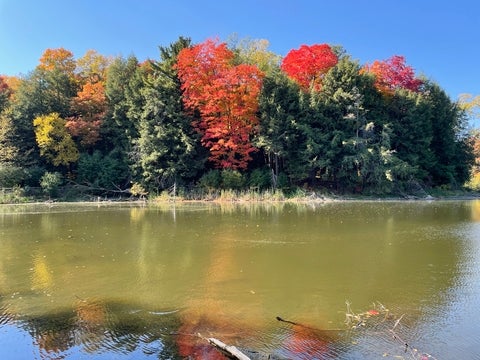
(226, 98)
(309, 64)
(393, 74)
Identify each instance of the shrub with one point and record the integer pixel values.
(232, 179)
(138, 190)
(283, 181)
(100, 170)
(211, 180)
(474, 183)
(14, 196)
(11, 176)
(50, 183)
(33, 176)
(260, 179)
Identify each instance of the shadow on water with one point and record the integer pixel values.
(119, 330)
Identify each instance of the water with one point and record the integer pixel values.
(138, 282)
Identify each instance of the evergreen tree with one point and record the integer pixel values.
(279, 111)
(410, 119)
(452, 155)
(168, 147)
(118, 131)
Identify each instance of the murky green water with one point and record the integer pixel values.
(133, 282)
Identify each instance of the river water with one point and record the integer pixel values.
(126, 281)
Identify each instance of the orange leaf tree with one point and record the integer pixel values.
(226, 99)
(58, 59)
(308, 64)
(4, 92)
(393, 74)
(89, 107)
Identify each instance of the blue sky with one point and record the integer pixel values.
(440, 39)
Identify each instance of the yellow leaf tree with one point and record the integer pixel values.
(471, 104)
(54, 141)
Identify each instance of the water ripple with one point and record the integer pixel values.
(5, 316)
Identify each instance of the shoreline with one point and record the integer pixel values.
(243, 201)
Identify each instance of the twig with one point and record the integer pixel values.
(307, 327)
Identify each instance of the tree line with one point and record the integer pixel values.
(215, 115)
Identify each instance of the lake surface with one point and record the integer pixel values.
(125, 281)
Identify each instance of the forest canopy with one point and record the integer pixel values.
(233, 115)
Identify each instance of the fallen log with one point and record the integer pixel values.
(229, 350)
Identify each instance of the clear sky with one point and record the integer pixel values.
(439, 38)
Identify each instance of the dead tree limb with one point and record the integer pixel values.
(229, 350)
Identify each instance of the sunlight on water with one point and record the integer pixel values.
(127, 281)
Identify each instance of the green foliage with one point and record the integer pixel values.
(51, 182)
(283, 181)
(118, 130)
(167, 148)
(452, 155)
(211, 180)
(104, 171)
(260, 178)
(33, 175)
(232, 179)
(13, 196)
(222, 179)
(9, 150)
(11, 175)
(279, 107)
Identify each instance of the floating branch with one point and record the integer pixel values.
(229, 350)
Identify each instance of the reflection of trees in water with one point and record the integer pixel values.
(476, 210)
(94, 327)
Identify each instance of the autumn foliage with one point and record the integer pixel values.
(226, 99)
(308, 64)
(4, 88)
(5, 92)
(53, 140)
(89, 107)
(313, 118)
(57, 59)
(393, 74)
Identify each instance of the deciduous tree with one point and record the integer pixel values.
(92, 67)
(308, 64)
(88, 108)
(393, 74)
(5, 93)
(55, 143)
(471, 104)
(58, 59)
(255, 52)
(226, 99)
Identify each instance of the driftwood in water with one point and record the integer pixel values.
(229, 350)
